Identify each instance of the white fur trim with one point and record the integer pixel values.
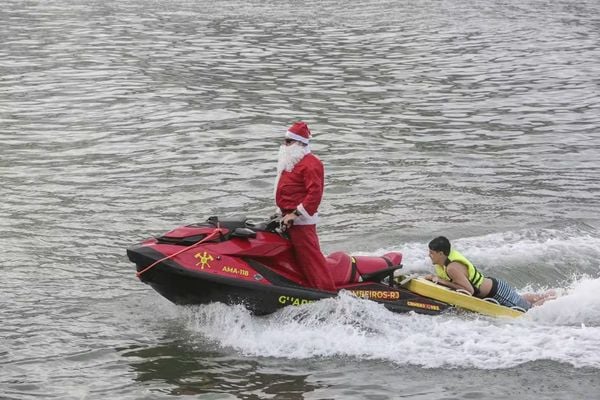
(305, 218)
(292, 135)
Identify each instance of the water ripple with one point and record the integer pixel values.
(119, 120)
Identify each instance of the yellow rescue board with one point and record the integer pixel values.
(429, 289)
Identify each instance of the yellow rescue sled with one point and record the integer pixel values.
(441, 293)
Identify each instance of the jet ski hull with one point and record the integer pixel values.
(264, 292)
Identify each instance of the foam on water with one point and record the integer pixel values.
(577, 304)
(350, 327)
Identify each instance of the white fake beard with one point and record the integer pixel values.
(289, 156)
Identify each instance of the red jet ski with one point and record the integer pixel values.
(240, 262)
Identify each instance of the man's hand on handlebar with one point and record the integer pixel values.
(287, 221)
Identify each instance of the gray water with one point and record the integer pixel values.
(120, 120)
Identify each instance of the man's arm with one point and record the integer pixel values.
(458, 272)
(313, 181)
(436, 279)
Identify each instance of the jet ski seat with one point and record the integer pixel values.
(346, 269)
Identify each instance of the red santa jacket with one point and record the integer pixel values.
(302, 189)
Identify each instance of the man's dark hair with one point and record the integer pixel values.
(440, 243)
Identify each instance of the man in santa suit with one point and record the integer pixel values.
(298, 193)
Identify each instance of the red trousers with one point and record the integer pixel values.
(309, 258)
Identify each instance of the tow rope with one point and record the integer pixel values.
(210, 236)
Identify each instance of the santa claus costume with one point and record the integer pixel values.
(298, 190)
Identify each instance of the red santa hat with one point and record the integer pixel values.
(299, 131)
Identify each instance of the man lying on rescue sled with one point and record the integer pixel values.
(455, 271)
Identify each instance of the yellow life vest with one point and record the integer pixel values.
(475, 277)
